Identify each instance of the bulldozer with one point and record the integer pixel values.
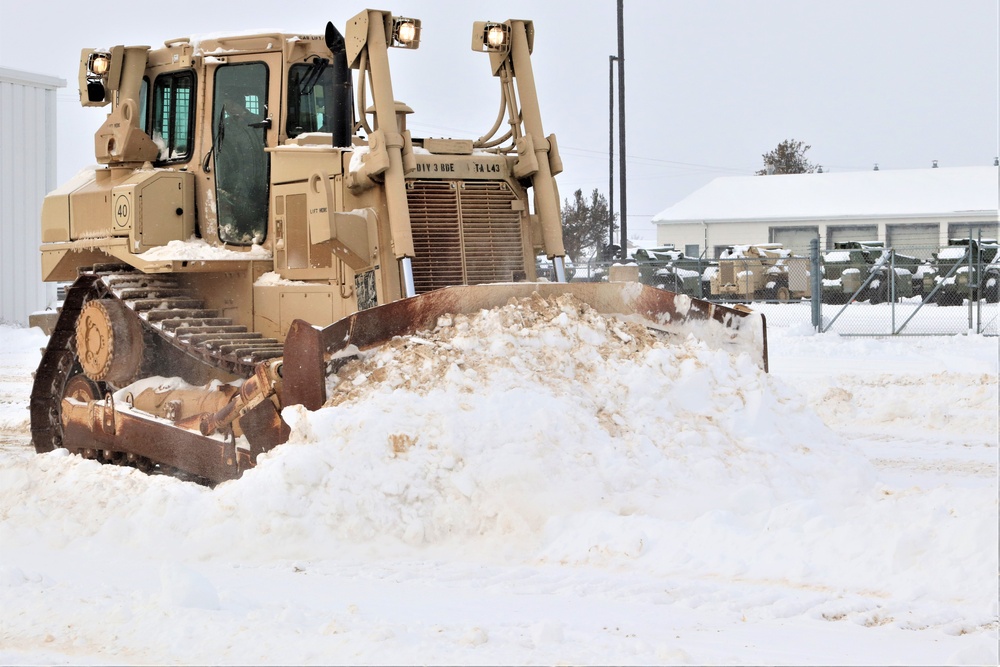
(260, 212)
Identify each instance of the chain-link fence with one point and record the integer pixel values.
(852, 289)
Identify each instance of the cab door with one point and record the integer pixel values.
(243, 124)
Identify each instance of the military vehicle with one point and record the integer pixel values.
(989, 287)
(846, 270)
(666, 267)
(964, 269)
(763, 271)
(260, 212)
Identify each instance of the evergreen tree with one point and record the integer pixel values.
(788, 158)
(585, 224)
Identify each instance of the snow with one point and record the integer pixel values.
(539, 485)
(953, 252)
(273, 278)
(195, 249)
(837, 256)
(829, 196)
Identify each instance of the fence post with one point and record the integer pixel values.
(974, 270)
(816, 284)
(892, 287)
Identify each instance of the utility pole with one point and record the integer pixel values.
(621, 125)
(611, 149)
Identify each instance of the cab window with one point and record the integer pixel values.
(144, 105)
(310, 98)
(173, 115)
(241, 164)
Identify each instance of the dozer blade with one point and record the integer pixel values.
(307, 349)
(97, 429)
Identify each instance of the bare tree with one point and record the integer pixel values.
(788, 158)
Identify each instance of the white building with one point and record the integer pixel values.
(916, 209)
(27, 173)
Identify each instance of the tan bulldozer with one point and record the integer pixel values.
(260, 210)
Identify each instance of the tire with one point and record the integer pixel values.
(878, 294)
(781, 293)
(948, 299)
(991, 288)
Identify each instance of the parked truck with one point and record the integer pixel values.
(666, 267)
(763, 271)
(861, 270)
(964, 269)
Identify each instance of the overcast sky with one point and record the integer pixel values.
(711, 85)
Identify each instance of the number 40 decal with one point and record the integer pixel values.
(123, 211)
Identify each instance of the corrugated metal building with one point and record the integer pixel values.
(27, 173)
(918, 209)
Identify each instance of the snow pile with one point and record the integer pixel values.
(540, 483)
(508, 423)
(541, 430)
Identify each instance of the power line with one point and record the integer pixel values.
(588, 152)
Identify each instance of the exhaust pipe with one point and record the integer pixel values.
(343, 103)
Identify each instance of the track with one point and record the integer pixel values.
(179, 316)
(180, 337)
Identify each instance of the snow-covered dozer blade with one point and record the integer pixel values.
(309, 351)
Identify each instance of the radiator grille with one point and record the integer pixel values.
(463, 233)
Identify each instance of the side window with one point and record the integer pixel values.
(173, 115)
(310, 98)
(144, 105)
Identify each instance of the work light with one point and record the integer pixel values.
(99, 63)
(490, 36)
(405, 32)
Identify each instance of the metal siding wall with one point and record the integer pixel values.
(10, 104)
(27, 173)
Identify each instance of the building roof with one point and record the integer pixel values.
(31, 79)
(860, 194)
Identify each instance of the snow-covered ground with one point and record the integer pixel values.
(539, 488)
